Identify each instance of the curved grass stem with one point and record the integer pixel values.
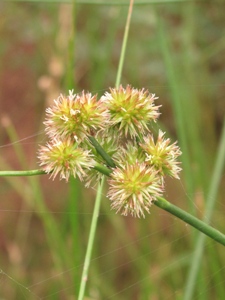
(191, 220)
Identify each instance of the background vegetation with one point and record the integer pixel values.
(176, 50)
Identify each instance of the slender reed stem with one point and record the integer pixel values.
(102, 169)
(191, 220)
(90, 241)
(125, 37)
(22, 173)
(101, 151)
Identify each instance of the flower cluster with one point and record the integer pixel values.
(120, 124)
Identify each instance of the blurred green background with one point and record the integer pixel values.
(177, 51)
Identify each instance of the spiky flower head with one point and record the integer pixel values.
(133, 188)
(75, 116)
(131, 110)
(65, 158)
(162, 155)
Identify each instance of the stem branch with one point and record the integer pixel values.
(22, 173)
(102, 152)
(191, 220)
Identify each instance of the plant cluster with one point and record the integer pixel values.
(120, 124)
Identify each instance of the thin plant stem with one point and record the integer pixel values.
(101, 151)
(102, 169)
(23, 173)
(123, 50)
(191, 220)
(90, 241)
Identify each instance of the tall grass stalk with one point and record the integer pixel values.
(94, 220)
(210, 203)
(53, 235)
(176, 97)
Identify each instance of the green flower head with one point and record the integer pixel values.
(65, 158)
(75, 116)
(162, 155)
(131, 110)
(133, 188)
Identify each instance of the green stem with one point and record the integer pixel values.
(102, 169)
(123, 50)
(22, 173)
(191, 220)
(102, 152)
(90, 241)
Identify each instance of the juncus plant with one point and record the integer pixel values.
(121, 123)
(90, 137)
(112, 136)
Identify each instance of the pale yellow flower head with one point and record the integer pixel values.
(131, 110)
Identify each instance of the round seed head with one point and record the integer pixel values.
(133, 188)
(65, 158)
(131, 110)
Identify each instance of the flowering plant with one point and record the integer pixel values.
(119, 123)
(113, 136)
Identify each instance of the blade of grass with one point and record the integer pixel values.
(193, 110)
(215, 264)
(211, 200)
(176, 98)
(34, 188)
